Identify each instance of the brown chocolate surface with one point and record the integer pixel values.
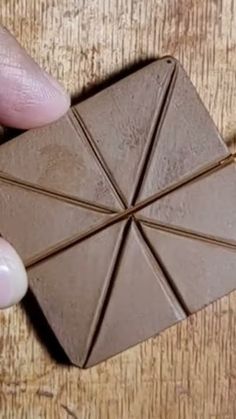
(125, 214)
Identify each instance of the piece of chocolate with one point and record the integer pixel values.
(123, 212)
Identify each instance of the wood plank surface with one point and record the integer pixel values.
(189, 371)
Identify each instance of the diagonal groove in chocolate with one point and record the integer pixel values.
(54, 194)
(122, 215)
(186, 233)
(155, 130)
(169, 282)
(77, 121)
(103, 302)
(205, 171)
(73, 240)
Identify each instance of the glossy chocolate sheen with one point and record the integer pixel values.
(123, 212)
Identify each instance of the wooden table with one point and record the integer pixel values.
(189, 371)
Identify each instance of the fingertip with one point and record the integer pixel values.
(38, 113)
(13, 276)
(29, 97)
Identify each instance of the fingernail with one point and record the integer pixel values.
(13, 277)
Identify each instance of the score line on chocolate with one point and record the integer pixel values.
(125, 214)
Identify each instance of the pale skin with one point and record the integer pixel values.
(29, 98)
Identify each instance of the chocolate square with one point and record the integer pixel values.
(123, 212)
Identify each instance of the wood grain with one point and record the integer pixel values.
(188, 372)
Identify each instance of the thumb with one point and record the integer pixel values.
(13, 278)
(29, 97)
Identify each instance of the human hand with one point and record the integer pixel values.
(29, 97)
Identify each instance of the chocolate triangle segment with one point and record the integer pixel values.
(82, 273)
(206, 205)
(34, 222)
(58, 156)
(201, 272)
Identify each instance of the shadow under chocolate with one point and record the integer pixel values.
(43, 331)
